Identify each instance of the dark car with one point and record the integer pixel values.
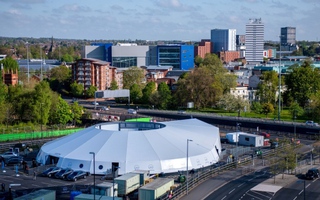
(312, 173)
(16, 160)
(76, 175)
(51, 171)
(63, 173)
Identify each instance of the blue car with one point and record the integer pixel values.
(63, 173)
(76, 175)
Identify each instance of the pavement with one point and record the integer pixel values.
(272, 185)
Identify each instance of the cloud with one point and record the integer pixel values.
(26, 1)
(116, 7)
(174, 5)
(72, 8)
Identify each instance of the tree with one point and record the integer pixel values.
(90, 92)
(135, 93)
(61, 73)
(268, 86)
(267, 108)
(164, 94)
(10, 65)
(295, 110)
(233, 103)
(77, 112)
(77, 89)
(61, 113)
(42, 102)
(302, 82)
(134, 75)
(67, 58)
(198, 60)
(147, 92)
(114, 85)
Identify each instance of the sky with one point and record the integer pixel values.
(154, 19)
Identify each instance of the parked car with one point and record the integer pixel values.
(265, 135)
(20, 146)
(63, 173)
(132, 111)
(15, 160)
(274, 145)
(312, 173)
(8, 154)
(76, 175)
(51, 171)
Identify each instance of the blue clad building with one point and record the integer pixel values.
(181, 57)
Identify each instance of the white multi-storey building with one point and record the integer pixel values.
(223, 40)
(254, 41)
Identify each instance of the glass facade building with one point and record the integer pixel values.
(181, 57)
(124, 62)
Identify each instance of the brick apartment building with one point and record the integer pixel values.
(89, 71)
(204, 47)
(9, 76)
(228, 56)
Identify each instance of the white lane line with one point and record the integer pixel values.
(240, 185)
(231, 191)
(300, 192)
(295, 198)
(308, 185)
(224, 197)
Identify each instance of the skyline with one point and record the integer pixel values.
(154, 19)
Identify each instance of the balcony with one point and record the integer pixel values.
(88, 79)
(80, 78)
(80, 73)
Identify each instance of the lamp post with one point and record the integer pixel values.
(94, 174)
(188, 140)
(41, 119)
(279, 106)
(237, 140)
(114, 168)
(294, 120)
(28, 60)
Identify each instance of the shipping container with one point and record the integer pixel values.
(39, 195)
(105, 189)
(144, 175)
(251, 140)
(91, 197)
(155, 189)
(232, 137)
(127, 183)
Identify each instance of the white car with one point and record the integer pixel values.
(104, 108)
(311, 123)
(8, 154)
(95, 103)
(132, 111)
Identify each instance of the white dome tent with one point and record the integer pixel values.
(160, 147)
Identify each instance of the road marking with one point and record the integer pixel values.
(224, 197)
(295, 198)
(308, 185)
(250, 179)
(300, 192)
(231, 191)
(240, 185)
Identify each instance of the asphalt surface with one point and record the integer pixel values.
(258, 184)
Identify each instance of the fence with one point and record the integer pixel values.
(35, 135)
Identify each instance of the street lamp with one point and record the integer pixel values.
(279, 106)
(237, 140)
(114, 168)
(188, 140)
(294, 120)
(41, 118)
(94, 174)
(28, 60)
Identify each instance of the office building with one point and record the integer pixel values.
(254, 41)
(223, 40)
(288, 35)
(179, 56)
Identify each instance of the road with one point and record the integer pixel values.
(295, 191)
(240, 188)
